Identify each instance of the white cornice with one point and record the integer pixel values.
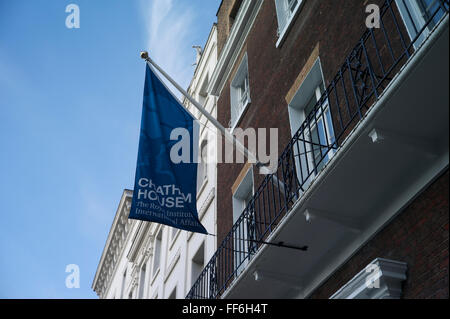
(381, 279)
(210, 45)
(137, 241)
(116, 238)
(241, 28)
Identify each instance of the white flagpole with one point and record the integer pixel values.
(251, 157)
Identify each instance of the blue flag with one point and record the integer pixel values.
(165, 189)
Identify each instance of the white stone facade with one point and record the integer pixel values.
(143, 260)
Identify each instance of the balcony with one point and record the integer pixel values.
(374, 140)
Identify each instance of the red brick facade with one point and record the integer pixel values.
(419, 235)
(273, 71)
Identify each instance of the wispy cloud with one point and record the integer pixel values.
(169, 26)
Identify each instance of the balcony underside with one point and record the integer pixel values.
(394, 153)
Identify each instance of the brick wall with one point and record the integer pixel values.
(419, 237)
(273, 71)
(329, 29)
(228, 9)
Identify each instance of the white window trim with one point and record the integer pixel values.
(174, 238)
(239, 207)
(234, 44)
(123, 284)
(417, 17)
(155, 274)
(315, 74)
(205, 180)
(141, 289)
(283, 32)
(242, 68)
(156, 271)
(202, 188)
(240, 117)
(249, 177)
(381, 279)
(203, 243)
(172, 265)
(322, 117)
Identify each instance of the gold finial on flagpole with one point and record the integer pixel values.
(144, 55)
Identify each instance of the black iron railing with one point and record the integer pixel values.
(368, 69)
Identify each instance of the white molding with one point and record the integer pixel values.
(287, 27)
(200, 191)
(239, 118)
(117, 237)
(208, 50)
(154, 275)
(172, 240)
(206, 203)
(172, 264)
(230, 52)
(381, 279)
(137, 241)
(202, 211)
(242, 75)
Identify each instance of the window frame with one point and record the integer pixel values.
(309, 89)
(124, 280)
(412, 14)
(203, 165)
(155, 271)
(239, 198)
(142, 281)
(237, 107)
(174, 232)
(201, 250)
(285, 16)
(325, 130)
(173, 293)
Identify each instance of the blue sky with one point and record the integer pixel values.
(70, 105)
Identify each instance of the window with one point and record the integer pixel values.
(317, 141)
(241, 199)
(416, 13)
(240, 92)
(142, 282)
(202, 98)
(173, 233)
(286, 10)
(198, 263)
(124, 278)
(173, 294)
(157, 255)
(318, 134)
(202, 165)
(291, 6)
(243, 195)
(203, 94)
